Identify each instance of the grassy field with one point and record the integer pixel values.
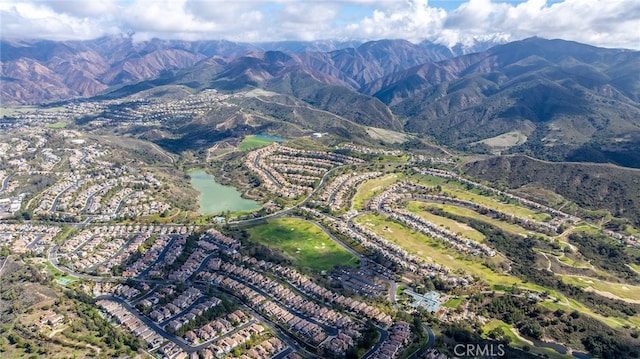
(251, 142)
(57, 125)
(425, 247)
(573, 263)
(14, 110)
(554, 199)
(303, 242)
(372, 187)
(573, 305)
(504, 141)
(623, 291)
(458, 190)
(631, 231)
(635, 267)
(431, 250)
(465, 212)
(453, 302)
(495, 204)
(518, 342)
(450, 224)
(11, 111)
(58, 276)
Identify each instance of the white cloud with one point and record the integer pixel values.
(83, 8)
(38, 20)
(609, 23)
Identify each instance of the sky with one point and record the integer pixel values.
(606, 23)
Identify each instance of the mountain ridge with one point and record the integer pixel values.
(118, 60)
(552, 99)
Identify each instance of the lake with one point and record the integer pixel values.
(215, 198)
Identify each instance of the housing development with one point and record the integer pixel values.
(356, 251)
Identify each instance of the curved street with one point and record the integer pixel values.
(5, 182)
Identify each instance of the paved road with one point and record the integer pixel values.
(146, 295)
(35, 241)
(83, 159)
(393, 288)
(85, 222)
(268, 173)
(200, 299)
(3, 264)
(247, 222)
(293, 345)
(121, 204)
(328, 329)
(89, 202)
(175, 339)
(430, 342)
(383, 336)
(335, 192)
(160, 256)
(117, 253)
(361, 257)
(54, 205)
(146, 320)
(53, 259)
(5, 182)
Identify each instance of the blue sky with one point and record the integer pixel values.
(607, 23)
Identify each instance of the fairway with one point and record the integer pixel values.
(570, 304)
(618, 290)
(465, 212)
(519, 342)
(436, 252)
(449, 224)
(635, 267)
(256, 141)
(372, 187)
(306, 244)
(458, 190)
(57, 125)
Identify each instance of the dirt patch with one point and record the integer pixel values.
(504, 141)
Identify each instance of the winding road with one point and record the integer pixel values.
(5, 182)
(248, 222)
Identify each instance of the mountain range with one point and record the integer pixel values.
(37, 71)
(552, 99)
